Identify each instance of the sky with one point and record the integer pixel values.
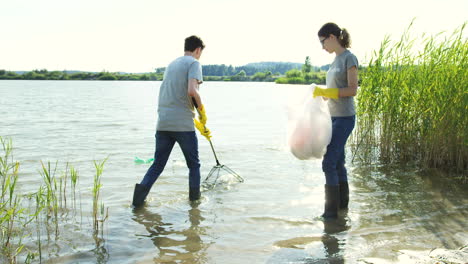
(141, 35)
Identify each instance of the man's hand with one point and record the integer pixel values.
(202, 114)
(204, 131)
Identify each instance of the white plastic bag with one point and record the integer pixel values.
(309, 125)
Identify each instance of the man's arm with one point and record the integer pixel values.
(193, 91)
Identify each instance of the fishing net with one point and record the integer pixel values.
(220, 174)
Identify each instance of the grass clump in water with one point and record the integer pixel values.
(24, 228)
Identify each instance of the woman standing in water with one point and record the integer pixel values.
(342, 83)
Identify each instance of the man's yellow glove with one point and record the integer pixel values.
(329, 93)
(202, 128)
(202, 114)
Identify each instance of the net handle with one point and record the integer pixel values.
(209, 140)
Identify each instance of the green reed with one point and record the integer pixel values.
(73, 180)
(52, 192)
(13, 217)
(40, 204)
(8, 169)
(413, 101)
(96, 193)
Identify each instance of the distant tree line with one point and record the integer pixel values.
(307, 75)
(301, 77)
(279, 68)
(64, 75)
(281, 72)
(242, 76)
(112, 76)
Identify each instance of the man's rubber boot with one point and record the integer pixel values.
(194, 194)
(344, 195)
(332, 198)
(139, 195)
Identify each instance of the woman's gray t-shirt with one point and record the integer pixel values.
(175, 108)
(337, 77)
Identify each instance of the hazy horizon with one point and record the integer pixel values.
(118, 36)
(78, 70)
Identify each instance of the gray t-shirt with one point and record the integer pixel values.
(175, 108)
(337, 77)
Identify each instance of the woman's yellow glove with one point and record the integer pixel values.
(204, 131)
(329, 93)
(202, 114)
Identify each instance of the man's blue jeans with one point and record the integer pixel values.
(165, 141)
(333, 164)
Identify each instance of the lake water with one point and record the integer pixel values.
(270, 218)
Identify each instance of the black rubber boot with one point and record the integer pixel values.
(344, 195)
(332, 198)
(139, 195)
(194, 193)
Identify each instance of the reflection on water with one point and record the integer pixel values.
(332, 243)
(178, 244)
(392, 209)
(328, 247)
(100, 251)
(269, 218)
(397, 208)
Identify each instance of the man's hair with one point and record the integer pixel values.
(192, 43)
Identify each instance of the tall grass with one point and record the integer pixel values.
(413, 101)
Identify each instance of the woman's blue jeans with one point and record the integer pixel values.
(333, 164)
(165, 141)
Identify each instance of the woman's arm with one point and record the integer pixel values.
(335, 93)
(351, 90)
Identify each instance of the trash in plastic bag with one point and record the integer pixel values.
(309, 125)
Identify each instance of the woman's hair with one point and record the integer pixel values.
(340, 33)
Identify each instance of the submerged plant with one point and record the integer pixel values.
(96, 192)
(73, 179)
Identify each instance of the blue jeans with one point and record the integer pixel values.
(333, 164)
(165, 141)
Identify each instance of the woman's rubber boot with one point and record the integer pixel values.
(194, 194)
(344, 195)
(139, 195)
(332, 198)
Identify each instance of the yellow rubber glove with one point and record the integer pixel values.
(204, 131)
(329, 93)
(202, 114)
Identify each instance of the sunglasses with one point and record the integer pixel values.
(322, 41)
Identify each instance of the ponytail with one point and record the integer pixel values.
(344, 39)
